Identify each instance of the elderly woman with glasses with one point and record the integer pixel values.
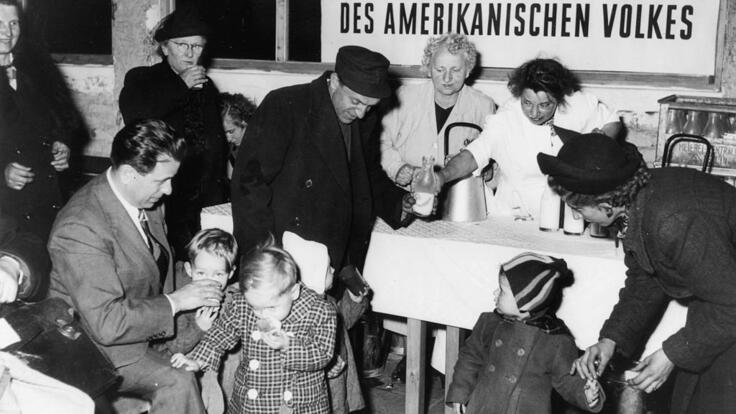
(547, 104)
(415, 128)
(178, 91)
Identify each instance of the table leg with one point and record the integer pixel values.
(451, 353)
(416, 346)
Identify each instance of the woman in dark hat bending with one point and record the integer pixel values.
(679, 238)
(178, 91)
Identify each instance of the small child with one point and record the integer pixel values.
(515, 356)
(211, 255)
(287, 333)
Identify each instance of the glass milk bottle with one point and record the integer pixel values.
(549, 210)
(573, 224)
(423, 186)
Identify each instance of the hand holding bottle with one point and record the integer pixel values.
(423, 187)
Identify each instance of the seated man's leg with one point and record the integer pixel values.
(170, 390)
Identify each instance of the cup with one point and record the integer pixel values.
(572, 225)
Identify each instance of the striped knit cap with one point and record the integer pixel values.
(536, 280)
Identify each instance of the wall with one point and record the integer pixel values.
(97, 87)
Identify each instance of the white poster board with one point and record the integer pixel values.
(648, 36)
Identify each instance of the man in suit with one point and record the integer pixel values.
(111, 262)
(310, 163)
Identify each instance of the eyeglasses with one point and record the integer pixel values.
(186, 47)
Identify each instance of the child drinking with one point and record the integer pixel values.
(517, 354)
(287, 333)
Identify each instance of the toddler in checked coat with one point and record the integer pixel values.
(287, 333)
(516, 355)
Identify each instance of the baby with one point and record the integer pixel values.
(287, 333)
(515, 356)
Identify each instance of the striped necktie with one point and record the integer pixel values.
(156, 249)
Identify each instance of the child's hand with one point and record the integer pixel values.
(276, 339)
(458, 408)
(205, 316)
(180, 360)
(592, 392)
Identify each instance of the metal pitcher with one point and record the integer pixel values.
(465, 199)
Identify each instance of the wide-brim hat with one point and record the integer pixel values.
(591, 164)
(364, 71)
(182, 22)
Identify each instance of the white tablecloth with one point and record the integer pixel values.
(446, 273)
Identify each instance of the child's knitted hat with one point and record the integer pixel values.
(536, 280)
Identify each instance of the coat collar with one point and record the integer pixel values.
(634, 240)
(326, 134)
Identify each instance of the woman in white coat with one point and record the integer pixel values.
(415, 128)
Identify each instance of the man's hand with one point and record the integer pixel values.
(595, 359)
(18, 176)
(198, 293)
(194, 76)
(179, 360)
(405, 175)
(61, 153)
(653, 372)
(206, 316)
(8, 280)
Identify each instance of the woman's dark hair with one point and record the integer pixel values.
(141, 143)
(237, 106)
(621, 196)
(544, 75)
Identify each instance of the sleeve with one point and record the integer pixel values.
(705, 259)
(471, 359)
(188, 333)
(224, 335)
(30, 253)
(640, 304)
(599, 114)
(312, 350)
(87, 270)
(387, 197)
(570, 387)
(390, 158)
(144, 97)
(482, 148)
(260, 158)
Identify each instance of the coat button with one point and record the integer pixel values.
(18, 152)
(512, 379)
(491, 368)
(252, 394)
(50, 176)
(520, 352)
(255, 336)
(27, 217)
(288, 395)
(297, 222)
(254, 364)
(308, 183)
(498, 343)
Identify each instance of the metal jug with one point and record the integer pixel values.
(465, 199)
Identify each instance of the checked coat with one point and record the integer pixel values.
(268, 378)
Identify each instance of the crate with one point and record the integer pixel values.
(713, 118)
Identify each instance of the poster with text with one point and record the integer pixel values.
(656, 36)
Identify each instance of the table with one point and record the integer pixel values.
(445, 273)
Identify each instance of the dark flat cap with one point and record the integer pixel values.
(591, 164)
(364, 71)
(182, 22)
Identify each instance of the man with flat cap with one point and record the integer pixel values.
(309, 163)
(178, 91)
(679, 226)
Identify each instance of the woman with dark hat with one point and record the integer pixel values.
(547, 104)
(678, 227)
(178, 91)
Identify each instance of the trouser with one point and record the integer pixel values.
(169, 390)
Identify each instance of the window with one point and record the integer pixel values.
(246, 29)
(71, 26)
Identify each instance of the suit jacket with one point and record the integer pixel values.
(157, 92)
(292, 173)
(102, 267)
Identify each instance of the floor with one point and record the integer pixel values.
(387, 397)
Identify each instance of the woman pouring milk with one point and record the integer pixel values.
(547, 104)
